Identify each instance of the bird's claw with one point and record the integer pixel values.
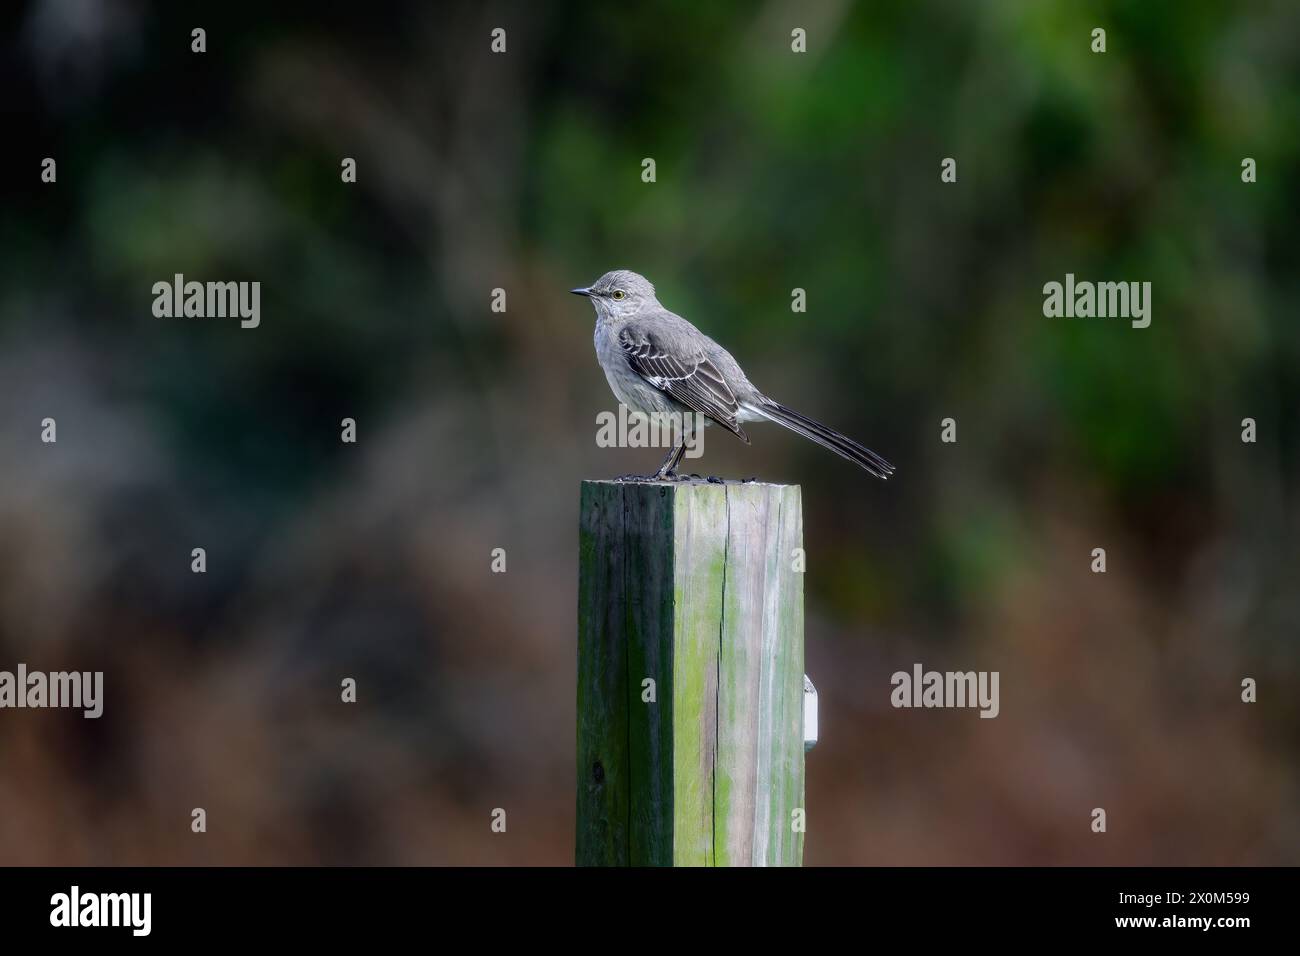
(675, 476)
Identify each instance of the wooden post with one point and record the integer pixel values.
(692, 586)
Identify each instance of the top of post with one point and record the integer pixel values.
(729, 483)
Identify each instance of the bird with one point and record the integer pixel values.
(657, 362)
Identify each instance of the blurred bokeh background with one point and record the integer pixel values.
(522, 171)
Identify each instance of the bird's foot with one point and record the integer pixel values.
(676, 476)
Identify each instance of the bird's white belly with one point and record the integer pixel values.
(628, 387)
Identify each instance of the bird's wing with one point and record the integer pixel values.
(684, 373)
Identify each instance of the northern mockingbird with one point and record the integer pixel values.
(657, 362)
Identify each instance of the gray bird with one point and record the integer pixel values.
(657, 362)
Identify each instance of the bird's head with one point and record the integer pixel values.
(619, 294)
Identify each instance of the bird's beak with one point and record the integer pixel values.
(586, 292)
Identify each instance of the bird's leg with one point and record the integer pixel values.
(668, 470)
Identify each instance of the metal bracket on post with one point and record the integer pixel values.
(809, 714)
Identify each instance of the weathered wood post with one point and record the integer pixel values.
(693, 587)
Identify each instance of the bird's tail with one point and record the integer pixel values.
(826, 437)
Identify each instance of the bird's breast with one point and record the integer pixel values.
(628, 387)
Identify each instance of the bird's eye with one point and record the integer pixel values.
(619, 294)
